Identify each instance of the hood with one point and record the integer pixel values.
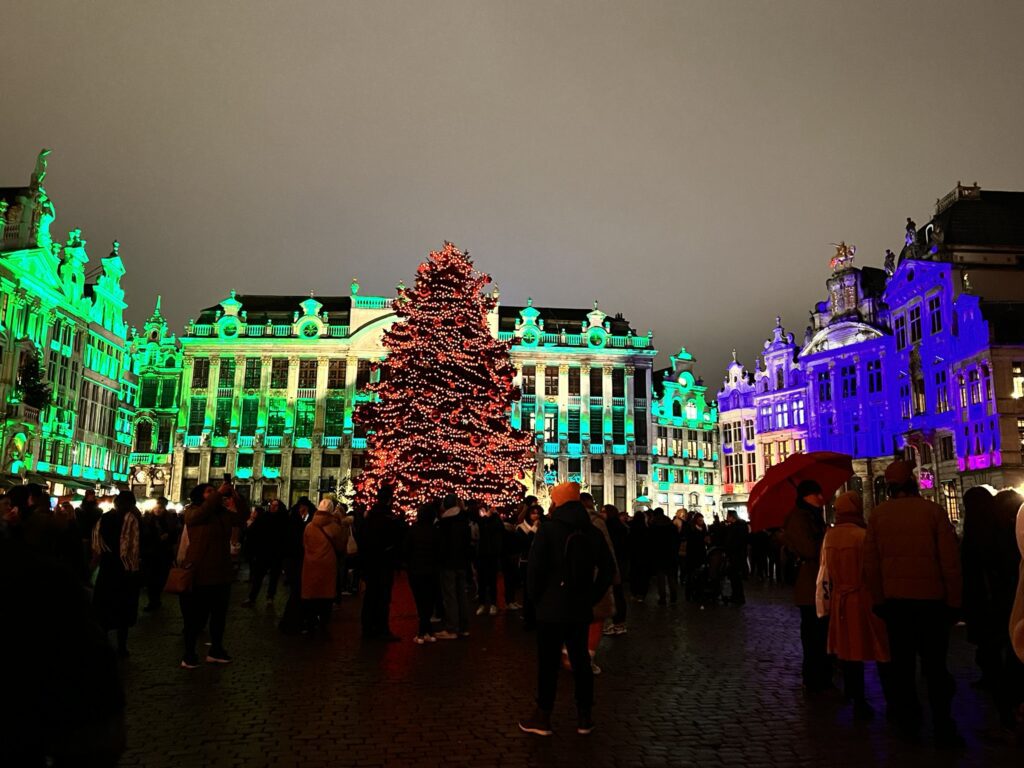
(572, 513)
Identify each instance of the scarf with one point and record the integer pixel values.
(128, 544)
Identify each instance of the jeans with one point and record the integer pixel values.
(202, 604)
(456, 601)
(816, 669)
(919, 628)
(551, 637)
(487, 575)
(424, 592)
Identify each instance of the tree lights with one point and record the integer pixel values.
(439, 420)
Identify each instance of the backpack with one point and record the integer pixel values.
(578, 562)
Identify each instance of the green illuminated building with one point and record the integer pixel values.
(55, 304)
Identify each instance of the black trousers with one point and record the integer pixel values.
(667, 576)
(202, 605)
(816, 669)
(156, 578)
(487, 575)
(510, 575)
(260, 570)
(424, 591)
(919, 629)
(619, 593)
(377, 599)
(550, 639)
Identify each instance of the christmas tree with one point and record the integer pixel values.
(439, 422)
(32, 386)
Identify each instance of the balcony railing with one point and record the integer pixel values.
(246, 441)
(339, 331)
(193, 441)
(306, 393)
(618, 402)
(371, 302)
(358, 442)
(225, 391)
(331, 442)
(639, 402)
(272, 441)
(596, 402)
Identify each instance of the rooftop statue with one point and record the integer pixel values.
(843, 257)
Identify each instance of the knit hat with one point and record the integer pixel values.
(325, 505)
(807, 488)
(899, 473)
(563, 493)
(850, 508)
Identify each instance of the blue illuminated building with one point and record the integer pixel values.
(780, 400)
(736, 428)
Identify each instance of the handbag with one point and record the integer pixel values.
(823, 589)
(179, 580)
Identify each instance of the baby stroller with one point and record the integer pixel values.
(710, 577)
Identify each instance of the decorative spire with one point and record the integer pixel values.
(734, 355)
(354, 286)
(114, 248)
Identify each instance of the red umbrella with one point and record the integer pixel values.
(775, 494)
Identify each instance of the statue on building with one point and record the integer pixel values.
(911, 233)
(39, 174)
(843, 257)
(890, 262)
(44, 216)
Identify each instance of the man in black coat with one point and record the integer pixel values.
(664, 547)
(736, 539)
(570, 570)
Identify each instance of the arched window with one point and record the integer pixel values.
(780, 379)
(144, 436)
(677, 409)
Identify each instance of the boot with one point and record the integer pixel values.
(539, 723)
(584, 723)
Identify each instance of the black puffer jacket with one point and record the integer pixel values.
(554, 602)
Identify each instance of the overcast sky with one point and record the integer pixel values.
(687, 163)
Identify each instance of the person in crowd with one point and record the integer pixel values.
(157, 543)
(1017, 613)
(115, 546)
(696, 553)
(664, 549)
(639, 557)
(209, 524)
(379, 547)
(618, 532)
(570, 570)
(488, 559)
(804, 532)
(605, 607)
(855, 633)
(292, 620)
(422, 561)
(455, 558)
(344, 518)
(66, 544)
(322, 540)
(983, 630)
(735, 541)
(86, 517)
(63, 703)
(912, 566)
(510, 561)
(526, 529)
(261, 545)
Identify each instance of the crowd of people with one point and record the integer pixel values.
(886, 590)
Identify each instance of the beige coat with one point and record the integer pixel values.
(855, 633)
(321, 541)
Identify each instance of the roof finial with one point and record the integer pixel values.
(114, 248)
(734, 355)
(778, 321)
(156, 311)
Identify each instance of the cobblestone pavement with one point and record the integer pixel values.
(684, 687)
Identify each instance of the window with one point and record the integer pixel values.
(331, 460)
(253, 366)
(596, 426)
(147, 395)
(900, 326)
(781, 416)
(334, 417)
(163, 438)
(144, 436)
(661, 441)
(748, 425)
(276, 408)
(848, 377)
(962, 387)
(691, 443)
(301, 460)
(527, 421)
(799, 416)
(191, 458)
(168, 393)
(915, 324)
(218, 459)
(551, 380)
(677, 441)
(305, 414)
(919, 402)
(200, 373)
(529, 379)
(640, 427)
(362, 374)
(935, 314)
(941, 392)
(727, 434)
(619, 466)
(550, 427)
(596, 466)
(780, 378)
(226, 375)
(641, 468)
(874, 376)
(596, 382)
(574, 381)
(618, 427)
(974, 388)
(751, 467)
(222, 417)
(336, 374)
(196, 415)
(272, 461)
(574, 426)
(250, 415)
(1017, 373)
(279, 373)
(307, 374)
(824, 387)
(946, 444)
(765, 415)
(618, 382)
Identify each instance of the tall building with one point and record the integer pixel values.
(685, 454)
(737, 417)
(55, 304)
(269, 384)
(780, 399)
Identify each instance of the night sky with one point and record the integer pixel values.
(686, 163)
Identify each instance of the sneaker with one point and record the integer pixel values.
(419, 640)
(584, 724)
(218, 657)
(595, 669)
(444, 634)
(513, 607)
(190, 662)
(539, 723)
(620, 629)
(430, 638)
(610, 630)
(480, 610)
(493, 610)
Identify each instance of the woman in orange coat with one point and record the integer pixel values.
(322, 540)
(855, 633)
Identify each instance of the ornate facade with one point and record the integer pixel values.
(737, 419)
(780, 400)
(54, 305)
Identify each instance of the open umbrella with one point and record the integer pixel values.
(775, 494)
